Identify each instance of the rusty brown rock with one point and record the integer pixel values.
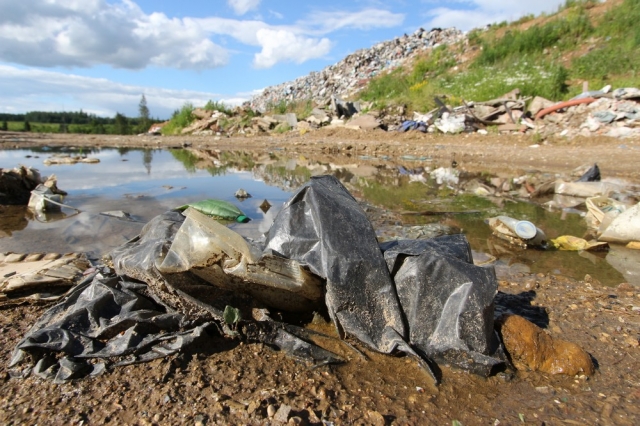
(530, 348)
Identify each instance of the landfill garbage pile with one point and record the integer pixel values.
(604, 112)
(186, 275)
(351, 74)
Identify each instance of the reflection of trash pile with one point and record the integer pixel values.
(184, 275)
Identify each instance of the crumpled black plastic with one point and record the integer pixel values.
(323, 227)
(422, 295)
(103, 318)
(591, 175)
(448, 301)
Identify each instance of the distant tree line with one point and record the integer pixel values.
(79, 122)
(48, 117)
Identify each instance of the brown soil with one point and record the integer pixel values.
(226, 382)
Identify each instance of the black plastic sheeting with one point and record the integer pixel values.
(591, 175)
(447, 301)
(422, 295)
(425, 298)
(103, 318)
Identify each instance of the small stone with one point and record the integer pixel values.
(634, 342)
(375, 418)
(282, 415)
(253, 406)
(271, 410)
(626, 287)
(200, 420)
(296, 421)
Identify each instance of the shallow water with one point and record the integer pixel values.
(145, 183)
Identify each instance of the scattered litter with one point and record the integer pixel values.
(39, 277)
(241, 194)
(218, 209)
(265, 206)
(571, 243)
(447, 176)
(521, 233)
(591, 175)
(624, 228)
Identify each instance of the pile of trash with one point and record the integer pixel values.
(187, 275)
(352, 74)
(17, 184)
(604, 112)
(613, 215)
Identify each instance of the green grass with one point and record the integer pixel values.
(532, 60)
(218, 106)
(179, 120)
(563, 34)
(301, 108)
(616, 56)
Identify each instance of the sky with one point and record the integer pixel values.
(101, 56)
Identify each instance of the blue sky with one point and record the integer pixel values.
(102, 55)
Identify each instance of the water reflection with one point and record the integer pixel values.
(147, 182)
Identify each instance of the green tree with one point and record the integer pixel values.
(97, 128)
(143, 109)
(121, 124)
(4, 126)
(27, 126)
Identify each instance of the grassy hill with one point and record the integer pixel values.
(549, 55)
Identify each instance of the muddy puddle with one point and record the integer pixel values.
(403, 202)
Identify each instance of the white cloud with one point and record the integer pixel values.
(240, 7)
(478, 13)
(38, 90)
(75, 33)
(86, 33)
(282, 45)
(298, 43)
(327, 22)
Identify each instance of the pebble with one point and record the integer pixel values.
(282, 415)
(271, 410)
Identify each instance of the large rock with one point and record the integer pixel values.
(363, 122)
(530, 348)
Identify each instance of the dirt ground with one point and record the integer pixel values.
(220, 381)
